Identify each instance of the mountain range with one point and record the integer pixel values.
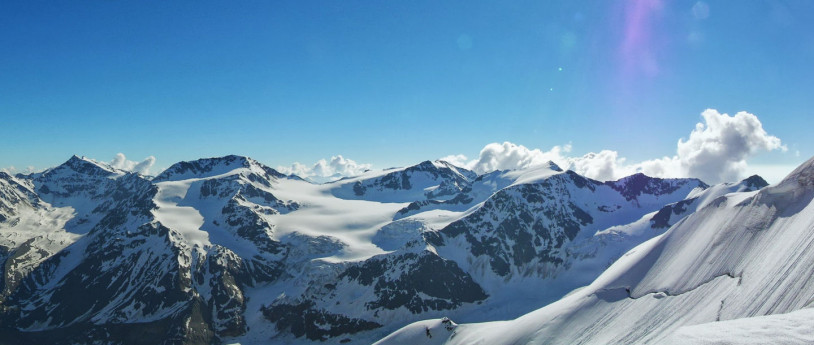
(228, 250)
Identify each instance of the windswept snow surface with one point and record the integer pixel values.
(354, 222)
(743, 255)
(794, 328)
(184, 219)
(427, 332)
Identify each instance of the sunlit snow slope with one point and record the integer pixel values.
(740, 257)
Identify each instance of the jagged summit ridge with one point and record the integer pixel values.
(637, 184)
(426, 180)
(210, 167)
(84, 165)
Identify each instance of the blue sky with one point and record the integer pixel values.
(394, 83)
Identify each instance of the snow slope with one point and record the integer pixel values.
(742, 255)
(184, 219)
(352, 222)
(793, 328)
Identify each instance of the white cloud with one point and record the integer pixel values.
(456, 160)
(715, 151)
(143, 167)
(327, 170)
(297, 168)
(508, 156)
(605, 165)
(12, 170)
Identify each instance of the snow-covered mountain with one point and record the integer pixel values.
(228, 250)
(735, 269)
(428, 180)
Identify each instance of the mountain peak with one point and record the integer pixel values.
(426, 165)
(634, 185)
(553, 166)
(208, 167)
(437, 166)
(84, 165)
(754, 182)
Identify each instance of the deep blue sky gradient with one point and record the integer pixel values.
(390, 82)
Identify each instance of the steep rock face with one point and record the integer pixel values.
(480, 189)
(401, 281)
(427, 180)
(76, 178)
(532, 229)
(129, 272)
(306, 320)
(14, 194)
(87, 196)
(225, 276)
(88, 187)
(233, 198)
(522, 224)
(634, 186)
(239, 203)
(398, 285)
(125, 270)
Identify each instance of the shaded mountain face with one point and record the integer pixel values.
(481, 188)
(228, 250)
(671, 213)
(634, 186)
(534, 228)
(14, 195)
(133, 263)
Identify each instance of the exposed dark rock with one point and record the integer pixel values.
(305, 319)
(755, 182)
(635, 185)
(532, 222)
(421, 274)
(661, 219)
(451, 180)
(208, 167)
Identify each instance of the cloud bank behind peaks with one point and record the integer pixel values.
(727, 141)
(715, 151)
(604, 165)
(508, 156)
(327, 170)
(143, 167)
